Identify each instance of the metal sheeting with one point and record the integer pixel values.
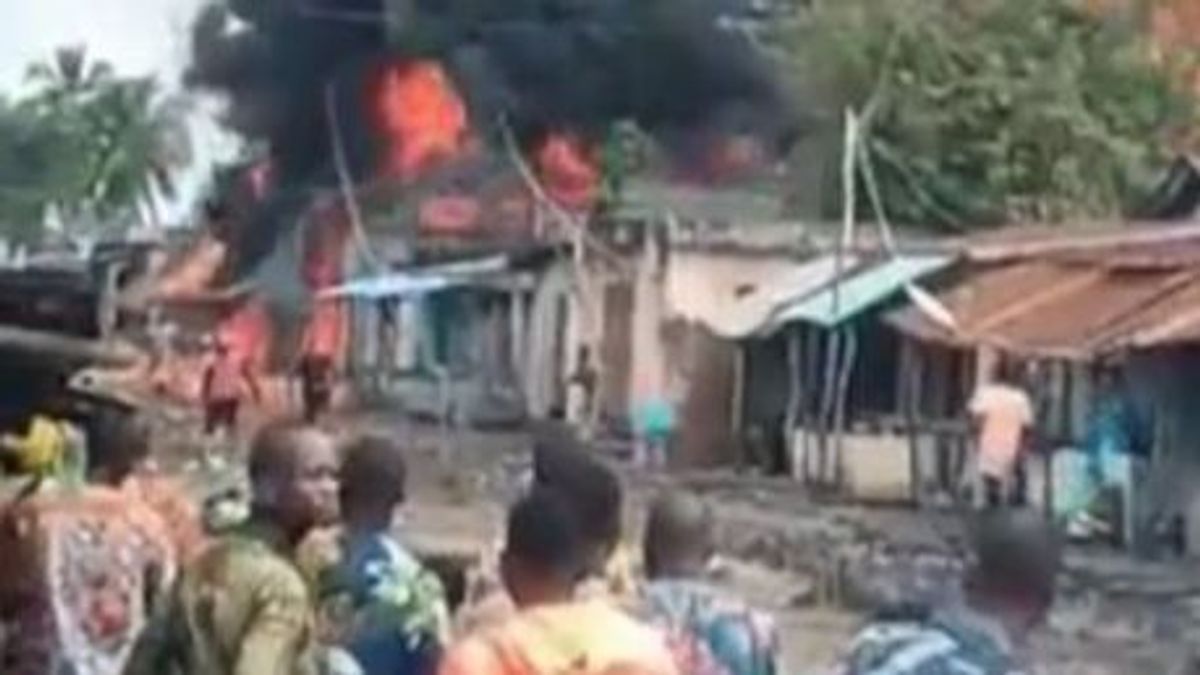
(736, 302)
(1073, 311)
(864, 288)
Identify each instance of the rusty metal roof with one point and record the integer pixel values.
(1064, 310)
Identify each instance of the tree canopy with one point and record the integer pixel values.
(94, 146)
(998, 111)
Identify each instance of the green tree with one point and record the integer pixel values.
(32, 170)
(127, 139)
(996, 111)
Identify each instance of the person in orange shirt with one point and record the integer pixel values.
(555, 631)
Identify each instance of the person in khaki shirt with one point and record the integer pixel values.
(243, 607)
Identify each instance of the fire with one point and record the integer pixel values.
(325, 252)
(423, 117)
(567, 169)
(247, 332)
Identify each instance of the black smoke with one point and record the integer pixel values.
(676, 68)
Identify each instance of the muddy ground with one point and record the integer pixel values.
(819, 567)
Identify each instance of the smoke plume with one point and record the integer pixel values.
(674, 68)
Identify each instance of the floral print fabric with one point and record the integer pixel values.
(710, 633)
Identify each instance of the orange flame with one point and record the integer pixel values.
(423, 117)
(324, 258)
(568, 171)
(247, 333)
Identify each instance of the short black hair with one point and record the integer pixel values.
(1016, 549)
(116, 438)
(679, 530)
(591, 488)
(273, 450)
(373, 467)
(543, 533)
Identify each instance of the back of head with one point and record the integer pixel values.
(373, 473)
(543, 554)
(679, 535)
(118, 440)
(271, 452)
(1017, 556)
(591, 490)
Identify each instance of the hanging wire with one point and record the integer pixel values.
(346, 182)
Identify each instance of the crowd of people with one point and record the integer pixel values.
(117, 576)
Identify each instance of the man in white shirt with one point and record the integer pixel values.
(1003, 418)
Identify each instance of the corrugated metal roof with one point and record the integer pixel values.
(1055, 309)
(743, 316)
(1172, 320)
(863, 289)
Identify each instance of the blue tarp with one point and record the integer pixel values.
(418, 282)
(391, 286)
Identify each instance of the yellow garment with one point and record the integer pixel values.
(42, 449)
(589, 637)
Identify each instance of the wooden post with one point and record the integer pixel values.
(793, 404)
(910, 382)
(737, 403)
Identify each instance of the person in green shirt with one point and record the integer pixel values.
(243, 607)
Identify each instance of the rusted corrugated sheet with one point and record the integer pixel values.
(1172, 320)
(1053, 308)
(983, 299)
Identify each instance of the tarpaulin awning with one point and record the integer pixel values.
(418, 281)
(862, 288)
(390, 286)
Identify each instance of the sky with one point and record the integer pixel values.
(139, 37)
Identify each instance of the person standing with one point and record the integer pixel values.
(383, 606)
(1117, 443)
(1008, 593)
(119, 454)
(583, 383)
(555, 631)
(316, 385)
(1003, 417)
(84, 567)
(243, 607)
(592, 493)
(222, 388)
(709, 631)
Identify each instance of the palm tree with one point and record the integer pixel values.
(130, 139)
(141, 140)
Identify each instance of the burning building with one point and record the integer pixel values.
(393, 131)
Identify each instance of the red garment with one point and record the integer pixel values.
(77, 571)
(225, 376)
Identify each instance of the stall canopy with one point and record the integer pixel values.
(419, 281)
(859, 290)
